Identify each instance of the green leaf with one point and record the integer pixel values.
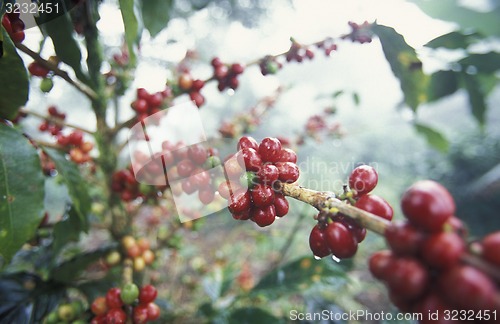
(450, 10)
(405, 65)
(60, 29)
(433, 137)
(299, 275)
(14, 92)
(337, 93)
(131, 23)
(156, 14)
(484, 63)
(355, 98)
(443, 83)
(68, 271)
(453, 40)
(250, 315)
(19, 304)
(21, 191)
(68, 230)
(77, 186)
(476, 97)
(488, 82)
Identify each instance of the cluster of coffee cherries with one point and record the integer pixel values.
(317, 126)
(254, 174)
(327, 45)
(360, 33)
(147, 104)
(74, 142)
(67, 313)
(423, 270)
(138, 250)
(124, 184)
(79, 150)
(187, 168)
(192, 163)
(298, 52)
(14, 26)
(338, 234)
(187, 84)
(125, 305)
(226, 75)
(49, 125)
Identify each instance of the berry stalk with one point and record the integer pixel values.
(326, 201)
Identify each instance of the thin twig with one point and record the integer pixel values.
(57, 71)
(56, 121)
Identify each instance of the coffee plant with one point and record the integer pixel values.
(93, 231)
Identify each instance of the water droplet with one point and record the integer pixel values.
(281, 276)
(334, 258)
(317, 257)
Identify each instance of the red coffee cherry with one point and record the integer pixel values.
(376, 205)
(197, 154)
(363, 179)
(270, 149)
(185, 168)
(239, 201)
(408, 279)
(113, 299)
(268, 174)
(443, 250)
(491, 248)
(248, 142)
(466, 287)
(352, 225)
(263, 216)
(116, 316)
(197, 97)
(404, 238)
(243, 215)
(380, 264)
(317, 242)
(153, 312)
(432, 303)
(287, 155)
(288, 171)
(140, 314)
(428, 204)
(37, 70)
(252, 159)
(280, 205)
(262, 195)
(147, 294)
(340, 240)
(206, 195)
